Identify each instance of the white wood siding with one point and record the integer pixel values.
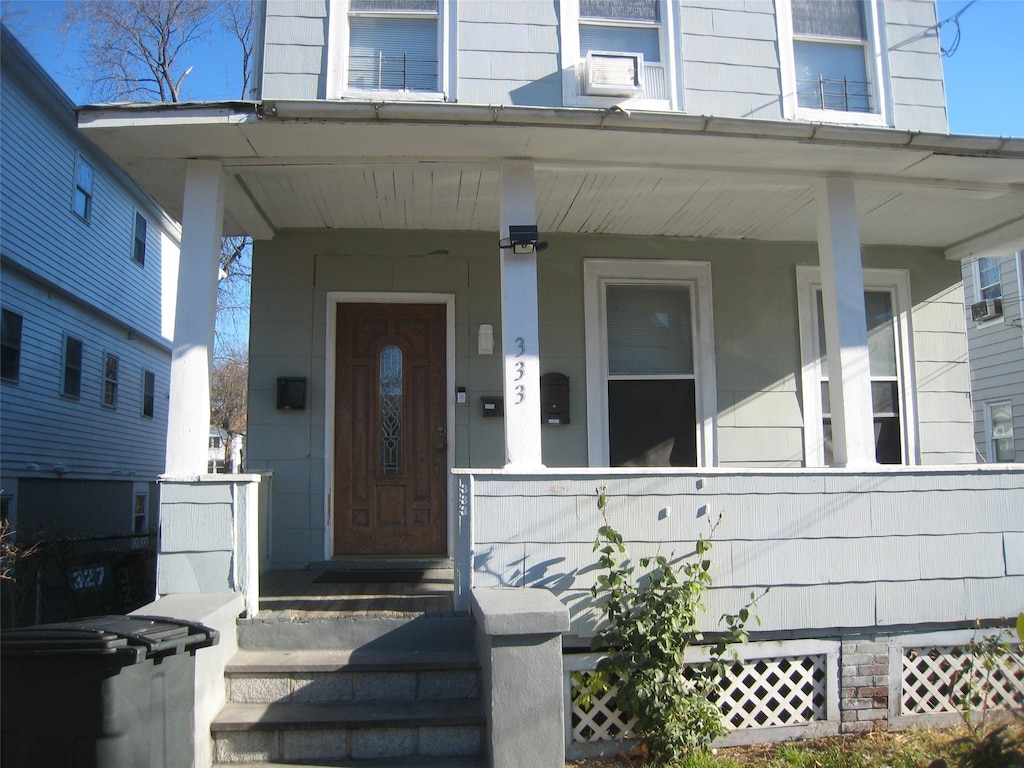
(997, 354)
(64, 275)
(38, 230)
(916, 86)
(725, 55)
(729, 59)
(42, 427)
(508, 53)
(837, 550)
(295, 49)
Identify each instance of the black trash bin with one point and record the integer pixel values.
(102, 692)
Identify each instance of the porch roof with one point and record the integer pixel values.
(401, 165)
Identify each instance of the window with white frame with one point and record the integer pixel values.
(999, 430)
(139, 242)
(10, 345)
(650, 359)
(886, 296)
(110, 377)
(832, 62)
(81, 202)
(71, 380)
(988, 278)
(394, 45)
(620, 47)
(622, 26)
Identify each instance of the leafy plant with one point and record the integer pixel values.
(984, 660)
(651, 621)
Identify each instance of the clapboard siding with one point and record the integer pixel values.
(43, 427)
(916, 86)
(73, 461)
(858, 550)
(729, 59)
(508, 53)
(997, 354)
(40, 232)
(294, 50)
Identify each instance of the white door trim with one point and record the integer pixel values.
(334, 298)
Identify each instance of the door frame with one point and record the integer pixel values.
(336, 298)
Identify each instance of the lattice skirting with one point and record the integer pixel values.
(931, 679)
(780, 690)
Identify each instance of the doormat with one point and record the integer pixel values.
(374, 576)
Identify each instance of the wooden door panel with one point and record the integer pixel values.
(394, 505)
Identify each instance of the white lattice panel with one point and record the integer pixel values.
(936, 680)
(600, 721)
(768, 692)
(759, 693)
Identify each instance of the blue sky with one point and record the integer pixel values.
(984, 79)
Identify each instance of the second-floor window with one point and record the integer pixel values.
(393, 45)
(139, 244)
(81, 202)
(10, 345)
(830, 50)
(989, 279)
(621, 27)
(110, 369)
(71, 382)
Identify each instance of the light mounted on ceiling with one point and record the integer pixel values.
(523, 240)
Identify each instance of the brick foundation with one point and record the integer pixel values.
(864, 687)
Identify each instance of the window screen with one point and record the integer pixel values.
(829, 18)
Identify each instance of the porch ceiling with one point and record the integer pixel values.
(436, 167)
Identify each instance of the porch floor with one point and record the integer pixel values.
(311, 593)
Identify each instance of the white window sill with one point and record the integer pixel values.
(840, 118)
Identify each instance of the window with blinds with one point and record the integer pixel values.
(652, 412)
(393, 45)
(830, 49)
(621, 26)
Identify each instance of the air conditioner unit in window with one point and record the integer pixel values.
(986, 310)
(613, 74)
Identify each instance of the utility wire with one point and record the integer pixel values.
(955, 19)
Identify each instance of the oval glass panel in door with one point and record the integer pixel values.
(391, 410)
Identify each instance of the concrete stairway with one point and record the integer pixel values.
(353, 690)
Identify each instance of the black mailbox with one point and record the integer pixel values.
(554, 398)
(493, 406)
(291, 393)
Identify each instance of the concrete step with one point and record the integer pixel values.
(334, 676)
(376, 632)
(276, 732)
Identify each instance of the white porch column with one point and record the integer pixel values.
(520, 336)
(846, 336)
(188, 420)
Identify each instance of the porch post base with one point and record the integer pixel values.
(518, 640)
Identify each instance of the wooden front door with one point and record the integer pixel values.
(390, 452)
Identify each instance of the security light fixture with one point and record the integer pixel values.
(523, 240)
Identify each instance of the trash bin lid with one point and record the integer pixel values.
(134, 637)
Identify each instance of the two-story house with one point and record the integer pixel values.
(994, 292)
(508, 251)
(89, 272)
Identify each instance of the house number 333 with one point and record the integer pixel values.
(520, 370)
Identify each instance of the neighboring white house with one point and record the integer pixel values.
(994, 292)
(724, 191)
(89, 274)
